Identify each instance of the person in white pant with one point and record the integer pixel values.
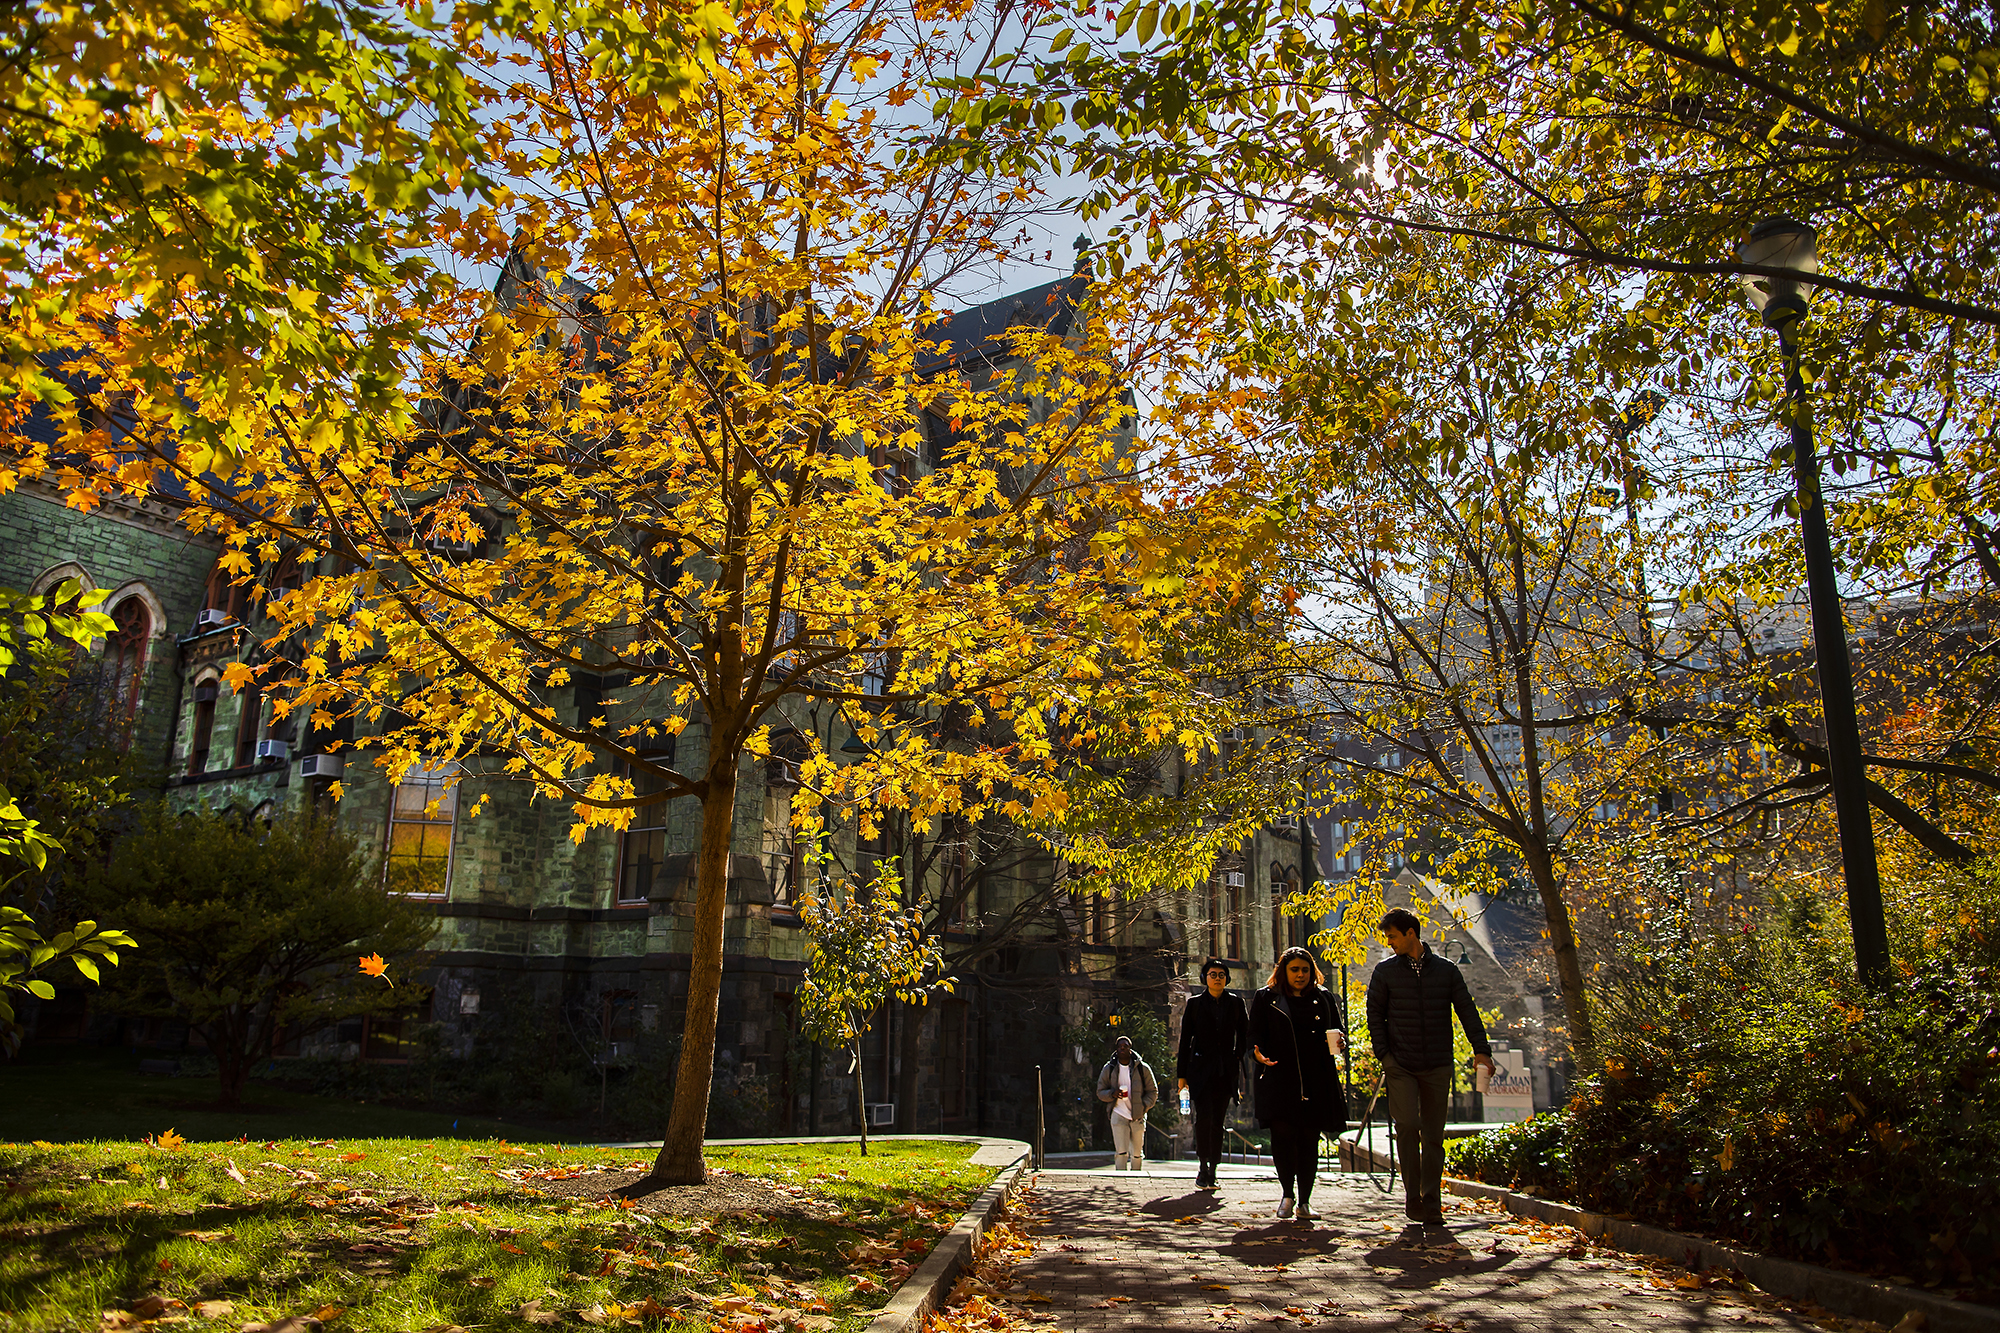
(1127, 1084)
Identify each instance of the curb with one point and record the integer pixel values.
(1843, 1293)
(926, 1289)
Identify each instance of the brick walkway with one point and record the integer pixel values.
(1124, 1252)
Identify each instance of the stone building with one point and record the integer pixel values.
(532, 922)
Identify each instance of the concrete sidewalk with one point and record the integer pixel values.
(1131, 1251)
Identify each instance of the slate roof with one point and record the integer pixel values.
(976, 333)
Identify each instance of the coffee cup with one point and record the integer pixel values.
(1482, 1077)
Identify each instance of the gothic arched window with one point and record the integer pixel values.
(125, 664)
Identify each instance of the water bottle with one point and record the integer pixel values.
(1186, 1106)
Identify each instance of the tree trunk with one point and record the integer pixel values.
(1569, 962)
(230, 1075)
(680, 1161)
(232, 1067)
(860, 1099)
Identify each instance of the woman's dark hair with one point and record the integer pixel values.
(1277, 982)
(1212, 965)
(1399, 920)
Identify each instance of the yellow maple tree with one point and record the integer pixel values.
(713, 456)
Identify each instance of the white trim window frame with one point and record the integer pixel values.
(422, 807)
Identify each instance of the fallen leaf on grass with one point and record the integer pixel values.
(297, 1323)
(205, 1237)
(868, 1285)
(214, 1309)
(353, 1156)
(533, 1312)
(481, 1281)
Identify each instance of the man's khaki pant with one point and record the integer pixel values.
(1128, 1140)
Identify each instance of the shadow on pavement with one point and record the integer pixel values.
(1194, 1203)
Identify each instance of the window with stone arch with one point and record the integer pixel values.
(125, 665)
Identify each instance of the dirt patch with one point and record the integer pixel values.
(722, 1195)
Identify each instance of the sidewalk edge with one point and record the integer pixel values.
(926, 1289)
(1842, 1293)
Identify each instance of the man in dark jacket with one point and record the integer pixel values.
(1411, 996)
(1215, 1034)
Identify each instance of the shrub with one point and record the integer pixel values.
(1752, 1089)
(246, 930)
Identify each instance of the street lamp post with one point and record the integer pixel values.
(1784, 244)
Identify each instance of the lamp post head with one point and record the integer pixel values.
(1778, 243)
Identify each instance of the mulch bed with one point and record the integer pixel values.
(725, 1194)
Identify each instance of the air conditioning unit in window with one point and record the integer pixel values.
(1233, 879)
(321, 766)
(210, 618)
(1287, 823)
(451, 546)
(274, 749)
(1238, 734)
(881, 1115)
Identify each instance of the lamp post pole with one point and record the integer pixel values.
(1793, 245)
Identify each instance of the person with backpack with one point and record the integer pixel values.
(1127, 1084)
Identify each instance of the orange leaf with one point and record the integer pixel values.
(372, 965)
(352, 1156)
(169, 1141)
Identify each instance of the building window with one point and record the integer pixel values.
(643, 849)
(782, 859)
(225, 595)
(393, 1036)
(957, 891)
(620, 1024)
(1281, 933)
(1233, 887)
(420, 825)
(876, 1064)
(249, 723)
(953, 1050)
(874, 675)
(125, 665)
(204, 728)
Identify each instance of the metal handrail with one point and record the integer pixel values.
(1382, 1181)
(1250, 1150)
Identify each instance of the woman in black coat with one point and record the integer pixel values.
(1215, 1036)
(1295, 1027)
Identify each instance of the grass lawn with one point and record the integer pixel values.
(410, 1234)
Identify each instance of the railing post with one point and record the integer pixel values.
(1040, 1118)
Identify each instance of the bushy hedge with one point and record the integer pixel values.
(1752, 1090)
